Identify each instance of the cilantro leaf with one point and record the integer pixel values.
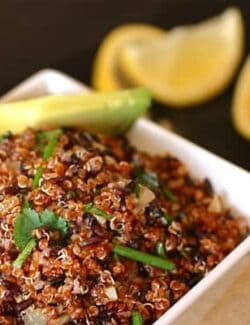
(28, 220)
(24, 224)
(24, 253)
(52, 222)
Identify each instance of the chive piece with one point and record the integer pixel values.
(168, 194)
(137, 190)
(5, 136)
(24, 253)
(148, 179)
(90, 208)
(45, 136)
(38, 176)
(116, 257)
(142, 257)
(49, 149)
(26, 204)
(49, 134)
(136, 318)
(160, 249)
(167, 217)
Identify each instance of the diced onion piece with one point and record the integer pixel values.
(102, 221)
(215, 205)
(111, 293)
(145, 196)
(34, 317)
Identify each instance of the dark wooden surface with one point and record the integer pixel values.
(64, 34)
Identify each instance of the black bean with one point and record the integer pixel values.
(142, 271)
(90, 220)
(180, 215)
(11, 286)
(134, 244)
(86, 140)
(57, 282)
(24, 304)
(195, 279)
(189, 181)
(154, 210)
(208, 188)
(92, 240)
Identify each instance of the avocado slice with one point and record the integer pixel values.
(107, 112)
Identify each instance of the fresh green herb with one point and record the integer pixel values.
(43, 137)
(116, 257)
(24, 253)
(46, 149)
(38, 176)
(142, 257)
(24, 224)
(49, 149)
(51, 221)
(168, 194)
(26, 204)
(160, 249)
(136, 318)
(137, 190)
(90, 208)
(167, 217)
(150, 180)
(47, 135)
(5, 136)
(29, 219)
(72, 194)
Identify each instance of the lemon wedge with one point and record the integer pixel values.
(191, 63)
(105, 71)
(241, 102)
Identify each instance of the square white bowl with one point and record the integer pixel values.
(230, 181)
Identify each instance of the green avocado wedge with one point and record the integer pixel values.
(109, 112)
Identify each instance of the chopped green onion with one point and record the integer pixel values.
(49, 149)
(90, 208)
(49, 134)
(38, 176)
(5, 136)
(116, 257)
(136, 318)
(24, 253)
(160, 249)
(44, 137)
(167, 217)
(168, 194)
(137, 190)
(142, 257)
(26, 204)
(148, 179)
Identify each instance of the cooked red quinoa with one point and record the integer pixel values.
(81, 280)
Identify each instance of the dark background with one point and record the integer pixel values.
(64, 34)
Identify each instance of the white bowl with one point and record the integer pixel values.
(230, 181)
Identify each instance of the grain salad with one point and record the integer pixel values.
(93, 231)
